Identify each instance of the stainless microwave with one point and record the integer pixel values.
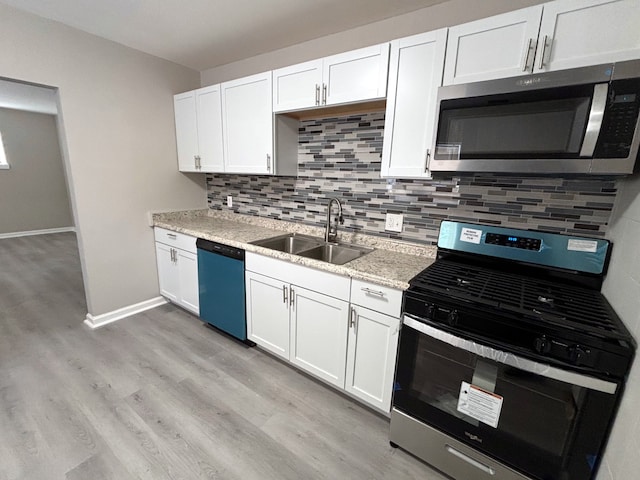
(577, 121)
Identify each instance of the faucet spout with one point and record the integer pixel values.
(331, 232)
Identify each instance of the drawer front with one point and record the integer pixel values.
(336, 286)
(376, 297)
(175, 239)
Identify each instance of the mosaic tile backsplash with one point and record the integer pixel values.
(340, 157)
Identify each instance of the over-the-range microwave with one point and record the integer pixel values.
(577, 121)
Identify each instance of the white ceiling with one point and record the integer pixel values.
(202, 34)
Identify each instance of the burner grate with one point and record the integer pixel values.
(534, 298)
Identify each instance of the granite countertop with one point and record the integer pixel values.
(391, 264)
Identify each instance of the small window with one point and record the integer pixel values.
(4, 164)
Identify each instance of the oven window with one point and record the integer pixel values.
(546, 427)
(537, 410)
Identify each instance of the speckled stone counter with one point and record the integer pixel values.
(391, 264)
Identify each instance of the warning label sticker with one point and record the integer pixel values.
(479, 404)
(471, 235)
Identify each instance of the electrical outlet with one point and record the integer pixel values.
(393, 222)
(229, 201)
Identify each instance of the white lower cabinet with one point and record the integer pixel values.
(371, 357)
(373, 342)
(268, 313)
(304, 316)
(177, 261)
(319, 334)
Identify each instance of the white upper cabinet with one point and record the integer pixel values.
(577, 33)
(298, 86)
(415, 73)
(198, 117)
(248, 125)
(554, 36)
(355, 76)
(349, 77)
(494, 47)
(209, 115)
(184, 106)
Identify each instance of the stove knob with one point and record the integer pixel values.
(431, 312)
(452, 318)
(577, 354)
(542, 345)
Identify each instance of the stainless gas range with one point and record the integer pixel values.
(511, 363)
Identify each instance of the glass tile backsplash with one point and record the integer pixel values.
(340, 157)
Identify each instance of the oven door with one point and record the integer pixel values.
(545, 422)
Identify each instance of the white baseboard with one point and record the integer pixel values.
(37, 232)
(109, 317)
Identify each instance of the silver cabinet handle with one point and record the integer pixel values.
(284, 294)
(199, 163)
(469, 460)
(427, 160)
(173, 255)
(544, 50)
(527, 53)
(352, 315)
(268, 162)
(172, 236)
(324, 93)
(317, 94)
(292, 294)
(195, 162)
(377, 293)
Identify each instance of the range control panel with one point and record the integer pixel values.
(513, 241)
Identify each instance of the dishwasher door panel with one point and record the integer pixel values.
(222, 293)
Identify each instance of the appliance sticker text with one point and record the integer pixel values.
(479, 404)
(471, 235)
(582, 245)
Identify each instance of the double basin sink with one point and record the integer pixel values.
(315, 248)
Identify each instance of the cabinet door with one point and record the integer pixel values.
(319, 334)
(373, 344)
(576, 33)
(168, 276)
(209, 117)
(494, 47)
(297, 86)
(247, 120)
(415, 73)
(268, 313)
(188, 279)
(355, 76)
(184, 106)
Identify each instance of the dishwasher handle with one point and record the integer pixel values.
(220, 249)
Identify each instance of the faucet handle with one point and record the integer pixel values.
(340, 218)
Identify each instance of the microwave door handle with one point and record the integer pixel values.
(511, 359)
(598, 104)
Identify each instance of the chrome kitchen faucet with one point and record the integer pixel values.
(331, 233)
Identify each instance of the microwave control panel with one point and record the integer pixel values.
(620, 120)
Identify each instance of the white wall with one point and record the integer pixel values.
(33, 191)
(120, 152)
(622, 289)
(452, 12)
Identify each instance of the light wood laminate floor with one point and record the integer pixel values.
(158, 395)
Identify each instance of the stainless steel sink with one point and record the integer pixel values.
(315, 248)
(335, 254)
(289, 243)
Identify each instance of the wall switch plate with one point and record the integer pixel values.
(393, 222)
(229, 201)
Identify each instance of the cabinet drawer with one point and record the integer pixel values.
(376, 297)
(175, 239)
(331, 284)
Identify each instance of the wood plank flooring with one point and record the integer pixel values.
(158, 395)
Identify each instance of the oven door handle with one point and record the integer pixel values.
(512, 360)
